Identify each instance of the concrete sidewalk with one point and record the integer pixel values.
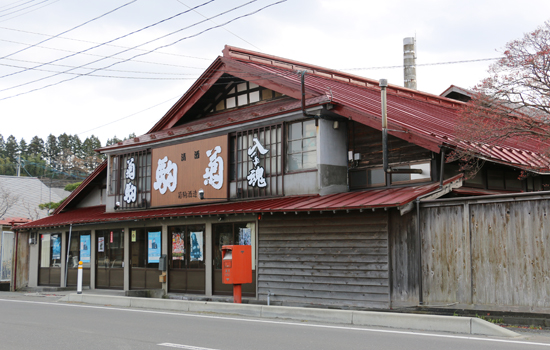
(434, 323)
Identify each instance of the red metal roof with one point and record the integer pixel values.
(374, 198)
(420, 118)
(427, 120)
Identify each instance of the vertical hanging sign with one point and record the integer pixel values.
(153, 247)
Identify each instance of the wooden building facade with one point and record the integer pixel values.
(244, 157)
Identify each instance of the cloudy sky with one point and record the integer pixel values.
(113, 67)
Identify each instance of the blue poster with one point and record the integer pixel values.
(196, 246)
(153, 245)
(56, 247)
(85, 249)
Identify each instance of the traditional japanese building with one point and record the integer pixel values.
(286, 157)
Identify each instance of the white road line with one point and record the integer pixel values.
(289, 323)
(181, 346)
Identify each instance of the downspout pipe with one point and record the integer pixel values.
(14, 287)
(68, 250)
(302, 80)
(442, 167)
(383, 99)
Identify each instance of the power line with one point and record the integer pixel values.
(24, 8)
(95, 55)
(9, 8)
(153, 50)
(128, 116)
(37, 8)
(99, 45)
(66, 31)
(15, 2)
(426, 64)
(68, 66)
(92, 42)
(227, 30)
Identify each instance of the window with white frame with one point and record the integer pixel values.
(301, 150)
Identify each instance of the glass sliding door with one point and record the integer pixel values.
(186, 269)
(79, 250)
(49, 261)
(110, 259)
(232, 234)
(145, 251)
(6, 254)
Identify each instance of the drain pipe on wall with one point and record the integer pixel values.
(383, 99)
(68, 250)
(302, 79)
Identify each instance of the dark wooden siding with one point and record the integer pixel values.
(404, 259)
(487, 252)
(445, 255)
(324, 259)
(511, 253)
(368, 142)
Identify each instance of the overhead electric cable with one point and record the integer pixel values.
(11, 13)
(34, 9)
(94, 55)
(9, 8)
(93, 42)
(68, 30)
(227, 30)
(91, 68)
(426, 64)
(99, 45)
(15, 2)
(160, 47)
(128, 116)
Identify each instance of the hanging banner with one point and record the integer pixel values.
(101, 244)
(153, 244)
(56, 247)
(178, 246)
(85, 248)
(196, 246)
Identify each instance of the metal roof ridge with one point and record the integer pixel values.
(232, 52)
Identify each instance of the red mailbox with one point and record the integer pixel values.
(237, 267)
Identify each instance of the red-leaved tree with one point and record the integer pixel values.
(511, 108)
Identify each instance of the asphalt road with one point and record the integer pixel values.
(43, 323)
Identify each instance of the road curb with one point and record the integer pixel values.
(434, 323)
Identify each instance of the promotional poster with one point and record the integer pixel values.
(196, 246)
(85, 247)
(56, 247)
(178, 246)
(153, 244)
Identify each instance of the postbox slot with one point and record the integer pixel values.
(228, 255)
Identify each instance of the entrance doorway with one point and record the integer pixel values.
(232, 234)
(145, 250)
(110, 259)
(79, 250)
(186, 271)
(49, 261)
